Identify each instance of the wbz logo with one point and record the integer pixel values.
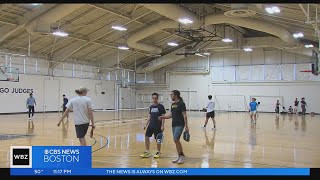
(20, 156)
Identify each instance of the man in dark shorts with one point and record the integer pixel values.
(82, 113)
(277, 109)
(179, 122)
(154, 126)
(210, 113)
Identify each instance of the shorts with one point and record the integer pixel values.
(154, 131)
(210, 115)
(81, 130)
(177, 131)
(253, 112)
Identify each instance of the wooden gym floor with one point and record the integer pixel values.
(275, 141)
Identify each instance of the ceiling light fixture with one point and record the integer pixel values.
(199, 54)
(123, 47)
(308, 46)
(247, 49)
(185, 20)
(60, 33)
(273, 9)
(298, 35)
(119, 28)
(226, 40)
(172, 44)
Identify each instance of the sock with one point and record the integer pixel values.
(181, 154)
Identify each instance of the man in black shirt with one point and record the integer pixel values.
(154, 126)
(179, 122)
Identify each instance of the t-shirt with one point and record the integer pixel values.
(31, 101)
(296, 103)
(80, 106)
(253, 106)
(176, 110)
(210, 106)
(155, 111)
(65, 101)
(303, 103)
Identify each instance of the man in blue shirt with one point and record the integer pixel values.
(31, 102)
(253, 105)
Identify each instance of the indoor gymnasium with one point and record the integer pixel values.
(163, 85)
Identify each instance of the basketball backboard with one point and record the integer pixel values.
(9, 74)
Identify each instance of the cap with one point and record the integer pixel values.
(83, 89)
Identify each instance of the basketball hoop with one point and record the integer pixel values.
(314, 73)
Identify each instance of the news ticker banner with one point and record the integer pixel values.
(162, 171)
(77, 160)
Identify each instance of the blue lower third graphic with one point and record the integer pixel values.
(61, 157)
(163, 171)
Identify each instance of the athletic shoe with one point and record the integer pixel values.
(176, 160)
(157, 155)
(213, 129)
(145, 155)
(181, 160)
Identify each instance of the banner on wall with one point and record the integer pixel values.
(15, 90)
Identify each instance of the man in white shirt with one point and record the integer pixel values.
(210, 113)
(82, 113)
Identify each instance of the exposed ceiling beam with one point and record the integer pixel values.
(96, 36)
(112, 11)
(134, 9)
(159, 41)
(69, 23)
(77, 47)
(240, 29)
(83, 15)
(314, 25)
(28, 17)
(2, 38)
(92, 53)
(63, 26)
(9, 23)
(3, 6)
(101, 56)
